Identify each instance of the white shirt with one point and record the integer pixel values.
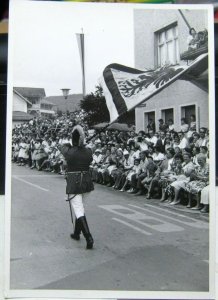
(183, 143)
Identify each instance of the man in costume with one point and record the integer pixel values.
(79, 182)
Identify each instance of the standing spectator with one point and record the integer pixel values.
(171, 126)
(162, 126)
(192, 126)
(184, 125)
(23, 152)
(151, 125)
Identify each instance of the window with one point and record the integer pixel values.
(167, 114)
(149, 121)
(187, 111)
(167, 44)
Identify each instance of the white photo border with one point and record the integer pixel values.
(76, 294)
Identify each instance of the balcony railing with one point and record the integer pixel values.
(194, 53)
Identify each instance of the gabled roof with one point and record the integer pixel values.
(31, 92)
(25, 99)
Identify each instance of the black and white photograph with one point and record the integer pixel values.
(110, 188)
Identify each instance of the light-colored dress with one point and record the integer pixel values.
(23, 152)
(184, 178)
(195, 186)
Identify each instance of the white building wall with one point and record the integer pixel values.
(147, 22)
(180, 92)
(177, 95)
(19, 104)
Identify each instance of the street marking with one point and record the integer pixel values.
(132, 226)
(40, 175)
(143, 219)
(171, 212)
(34, 185)
(195, 224)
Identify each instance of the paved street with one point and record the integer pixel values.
(139, 244)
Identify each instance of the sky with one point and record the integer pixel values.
(43, 49)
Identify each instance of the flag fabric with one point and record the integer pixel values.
(126, 88)
(81, 43)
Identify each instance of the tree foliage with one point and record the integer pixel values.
(96, 110)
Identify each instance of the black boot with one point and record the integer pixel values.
(85, 230)
(77, 231)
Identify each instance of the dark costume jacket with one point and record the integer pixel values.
(78, 176)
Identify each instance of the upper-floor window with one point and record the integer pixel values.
(167, 44)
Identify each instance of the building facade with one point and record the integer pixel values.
(20, 109)
(160, 39)
(36, 97)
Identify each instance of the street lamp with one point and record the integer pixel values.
(65, 93)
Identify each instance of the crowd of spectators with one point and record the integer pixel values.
(161, 163)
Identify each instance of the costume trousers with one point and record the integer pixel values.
(77, 205)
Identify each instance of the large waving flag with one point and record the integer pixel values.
(126, 88)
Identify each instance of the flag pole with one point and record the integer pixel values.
(184, 18)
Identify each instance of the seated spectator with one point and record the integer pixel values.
(119, 165)
(193, 140)
(165, 165)
(181, 181)
(169, 176)
(175, 141)
(96, 162)
(151, 139)
(136, 180)
(150, 173)
(168, 144)
(103, 167)
(183, 142)
(158, 156)
(131, 138)
(203, 139)
(107, 179)
(204, 151)
(136, 170)
(127, 166)
(198, 180)
(141, 141)
(195, 152)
